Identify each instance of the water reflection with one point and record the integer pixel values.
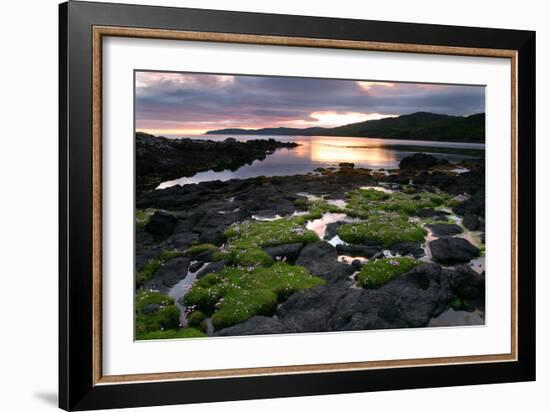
(324, 151)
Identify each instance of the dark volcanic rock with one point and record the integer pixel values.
(331, 228)
(444, 229)
(290, 251)
(310, 310)
(159, 158)
(169, 274)
(452, 250)
(144, 255)
(213, 267)
(193, 267)
(467, 283)
(409, 300)
(358, 250)
(408, 249)
(161, 224)
(418, 161)
(180, 241)
(321, 259)
(256, 325)
(474, 205)
(433, 213)
(471, 221)
(318, 257)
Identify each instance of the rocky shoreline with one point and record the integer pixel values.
(159, 159)
(337, 249)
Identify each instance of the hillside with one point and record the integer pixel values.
(420, 125)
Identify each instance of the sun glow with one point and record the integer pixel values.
(369, 85)
(334, 119)
(174, 132)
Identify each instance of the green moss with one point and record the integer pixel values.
(383, 228)
(164, 316)
(236, 293)
(172, 334)
(196, 318)
(318, 208)
(376, 273)
(244, 257)
(200, 248)
(152, 266)
(142, 217)
(301, 203)
(273, 233)
(364, 202)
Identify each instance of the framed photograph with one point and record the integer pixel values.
(257, 205)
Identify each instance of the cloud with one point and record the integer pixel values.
(200, 102)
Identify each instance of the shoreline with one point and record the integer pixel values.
(197, 224)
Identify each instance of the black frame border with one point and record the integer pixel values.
(76, 387)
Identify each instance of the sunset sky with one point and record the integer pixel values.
(191, 104)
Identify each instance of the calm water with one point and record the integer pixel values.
(325, 151)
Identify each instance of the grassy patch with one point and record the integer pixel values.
(200, 248)
(235, 294)
(152, 266)
(155, 312)
(173, 334)
(196, 318)
(378, 272)
(245, 257)
(364, 202)
(385, 229)
(252, 234)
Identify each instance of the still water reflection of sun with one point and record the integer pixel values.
(348, 150)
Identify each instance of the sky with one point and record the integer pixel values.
(191, 103)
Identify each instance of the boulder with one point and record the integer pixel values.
(310, 310)
(321, 259)
(213, 267)
(432, 213)
(193, 267)
(471, 221)
(290, 251)
(161, 224)
(169, 274)
(452, 250)
(256, 325)
(408, 249)
(467, 283)
(318, 257)
(418, 161)
(409, 300)
(358, 250)
(444, 229)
